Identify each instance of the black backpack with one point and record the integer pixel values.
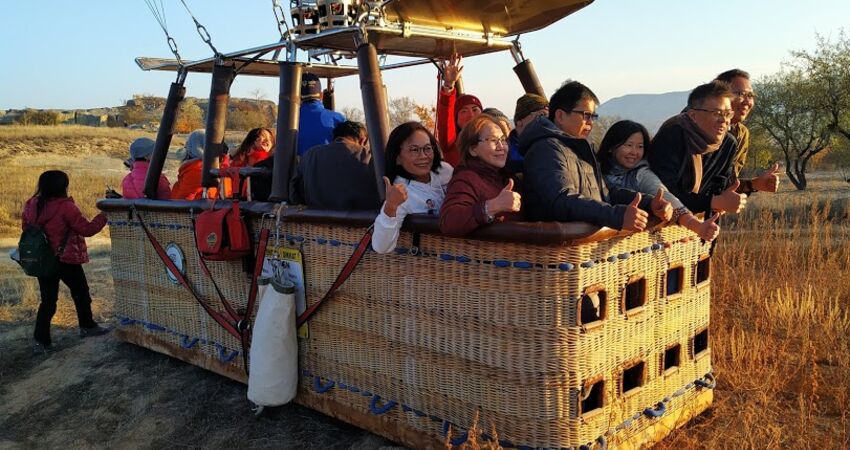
(35, 255)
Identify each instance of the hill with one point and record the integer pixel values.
(649, 109)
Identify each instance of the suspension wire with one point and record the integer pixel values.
(280, 16)
(158, 12)
(202, 31)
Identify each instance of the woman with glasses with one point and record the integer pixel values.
(481, 191)
(621, 155)
(415, 180)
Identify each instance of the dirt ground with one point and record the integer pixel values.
(103, 393)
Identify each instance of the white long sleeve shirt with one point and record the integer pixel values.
(422, 198)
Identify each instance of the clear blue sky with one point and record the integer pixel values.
(79, 54)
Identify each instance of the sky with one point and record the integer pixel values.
(80, 54)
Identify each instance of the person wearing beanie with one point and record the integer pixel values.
(528, 107)
(315, 124)
(453, 110)
(133, 185)
(188, 184)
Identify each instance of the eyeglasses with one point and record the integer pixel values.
(425, 150)
(587, 115)
(495, 141)
(745, 95)
(724, 114)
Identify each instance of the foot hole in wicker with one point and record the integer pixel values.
(592, 307)
(675, 280)
(635, 295)
(700, 343)
(672, 357)
(633, 377)
(703, 270)
(592, 397)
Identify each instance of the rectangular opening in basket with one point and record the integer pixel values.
(592, 306)
(672, 357)
(703, 269)
(674, 280)
(633, 378)
(635, 294)
(700, 342)
(593, 396)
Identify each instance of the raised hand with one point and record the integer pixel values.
(729, 200)
(635, 218)
(396, 195)
(506, 201)
(708, 229)
(451, 71)
(661, 207)
(768, 181)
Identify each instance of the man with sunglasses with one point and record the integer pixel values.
(693, 153)
(743, 101)
(563, 180)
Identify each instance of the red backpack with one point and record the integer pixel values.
(222, 235)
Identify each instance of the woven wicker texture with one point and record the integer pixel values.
(463, 326)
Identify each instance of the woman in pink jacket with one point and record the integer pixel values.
(133, 185)
(54, 212)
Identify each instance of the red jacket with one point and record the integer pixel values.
(446, 127)
(61, 217)
(472, 184)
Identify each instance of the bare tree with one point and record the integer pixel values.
(353, 114)
(788, 113)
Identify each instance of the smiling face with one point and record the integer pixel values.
(263, 141)
(574, 123)
(630, 153)
(492, 146)
(467, 113)
(416, 156)
(712, 124)
(743, 99)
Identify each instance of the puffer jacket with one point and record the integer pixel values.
(61, 217)
(563, 180)
(133, 185)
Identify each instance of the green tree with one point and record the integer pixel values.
(828, 67)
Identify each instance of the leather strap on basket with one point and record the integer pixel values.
(349, 266)
(236, 325)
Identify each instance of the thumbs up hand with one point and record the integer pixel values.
(661, 207)
(396, 195)
(709, 229)
(729, 200)
(768, 181)
(635, 218)
(506, 201)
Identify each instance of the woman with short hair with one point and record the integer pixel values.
(481, 190)
(624, 166)
(415, 181)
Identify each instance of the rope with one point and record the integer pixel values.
(202, 30)
(158, 13)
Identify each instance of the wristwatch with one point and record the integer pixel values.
(490, 217)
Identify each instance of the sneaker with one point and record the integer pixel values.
(96, 330)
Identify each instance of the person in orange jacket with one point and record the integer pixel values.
(188, 185)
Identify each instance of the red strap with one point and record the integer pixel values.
(349, 266)
(215, 315)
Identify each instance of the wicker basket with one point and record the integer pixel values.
(415, 343)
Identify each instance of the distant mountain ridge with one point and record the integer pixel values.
(651, 110)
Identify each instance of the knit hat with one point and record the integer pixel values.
(140, 148)
(466, 100)
(195, 145)
(528, 104)
(311, 86)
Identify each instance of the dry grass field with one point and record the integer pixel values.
(780, 326)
